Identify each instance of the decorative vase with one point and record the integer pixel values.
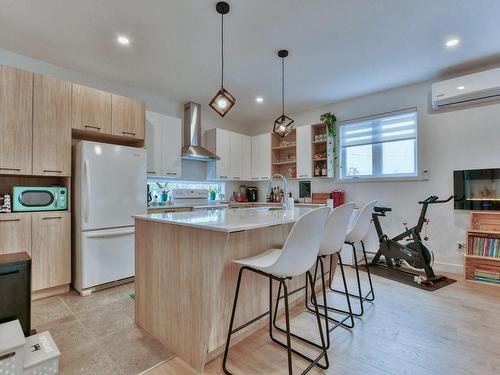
(211, 195)
(163, 197)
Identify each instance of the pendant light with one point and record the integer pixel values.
(283, 125)
(223, 101)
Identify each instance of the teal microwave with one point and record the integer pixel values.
(37, 198)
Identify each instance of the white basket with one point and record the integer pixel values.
(41, 356)
(12, 344)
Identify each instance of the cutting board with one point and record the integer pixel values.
(320, 198)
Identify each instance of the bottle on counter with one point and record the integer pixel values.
(271, 196)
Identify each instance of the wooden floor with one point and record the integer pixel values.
(454, 330)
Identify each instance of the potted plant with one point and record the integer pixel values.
(330, 120)
(164, 190)
(212, 192)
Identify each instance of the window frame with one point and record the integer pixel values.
(377, 159)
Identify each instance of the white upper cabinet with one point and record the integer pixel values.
(261, 157)
(163, 144)
(246, 157)
(153, 143)
(304, 152)
(236, 165)
(218, 141)
(234, 151)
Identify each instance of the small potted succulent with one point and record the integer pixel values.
(212, 192)
(164, 190)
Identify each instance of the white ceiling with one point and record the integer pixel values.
(338, 48)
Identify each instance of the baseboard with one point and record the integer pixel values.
(448, 267)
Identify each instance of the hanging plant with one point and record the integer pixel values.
(330, 121)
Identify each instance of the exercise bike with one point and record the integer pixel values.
(414, 253)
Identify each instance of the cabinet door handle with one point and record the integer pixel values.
(10, 169)
(9, 220)
(152, 172)
(171, 173)
(304, 175)
(128, 133)
(52, 171)
(236, 177)
(52, 217)
(255, 178)
(92, 127)
(222, 176)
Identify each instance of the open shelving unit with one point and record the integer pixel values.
(284, 154)
(322, 156)
(482, 258)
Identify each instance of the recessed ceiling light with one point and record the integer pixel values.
(259, 99)
(452, 42)
(123, 40)
(461, 87)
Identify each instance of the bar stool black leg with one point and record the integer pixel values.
(359, 296)
(287, 324)
(230, 330)
(313, 362)
(372, 298)
(346, 294)
(348, 314)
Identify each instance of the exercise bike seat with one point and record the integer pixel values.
(381, 209)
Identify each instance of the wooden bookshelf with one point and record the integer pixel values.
(284, 154)
(482, 257)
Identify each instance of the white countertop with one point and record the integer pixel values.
(225, 204)
(229, 220)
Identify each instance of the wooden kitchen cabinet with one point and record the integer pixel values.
(91, 109)
(128, 117)
(15, 233)
(16, 110)
(51, 249)
(51, 126)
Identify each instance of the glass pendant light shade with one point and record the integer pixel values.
(283, 125)
(222, 102)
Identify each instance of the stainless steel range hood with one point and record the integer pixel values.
(192, 135)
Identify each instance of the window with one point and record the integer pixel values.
(383, 146)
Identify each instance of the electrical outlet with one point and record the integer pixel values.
(460, 246)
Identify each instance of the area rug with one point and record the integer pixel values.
(405, 278)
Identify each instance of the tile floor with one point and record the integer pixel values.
(97, 334)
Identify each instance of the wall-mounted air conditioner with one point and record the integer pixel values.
(468, 89)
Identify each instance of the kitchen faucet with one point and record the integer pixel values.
(285, 188)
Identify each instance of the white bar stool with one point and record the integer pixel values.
(295, 258)
(357, 233)
(333, 238)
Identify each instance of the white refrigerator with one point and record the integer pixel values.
(109, 188)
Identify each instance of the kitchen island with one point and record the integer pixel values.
(185, 278)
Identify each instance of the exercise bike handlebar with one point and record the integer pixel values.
(435, 199)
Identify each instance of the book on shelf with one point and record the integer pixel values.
(484, 246)
(487, 276)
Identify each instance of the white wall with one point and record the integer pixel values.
(170, 107)
(458, 139)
